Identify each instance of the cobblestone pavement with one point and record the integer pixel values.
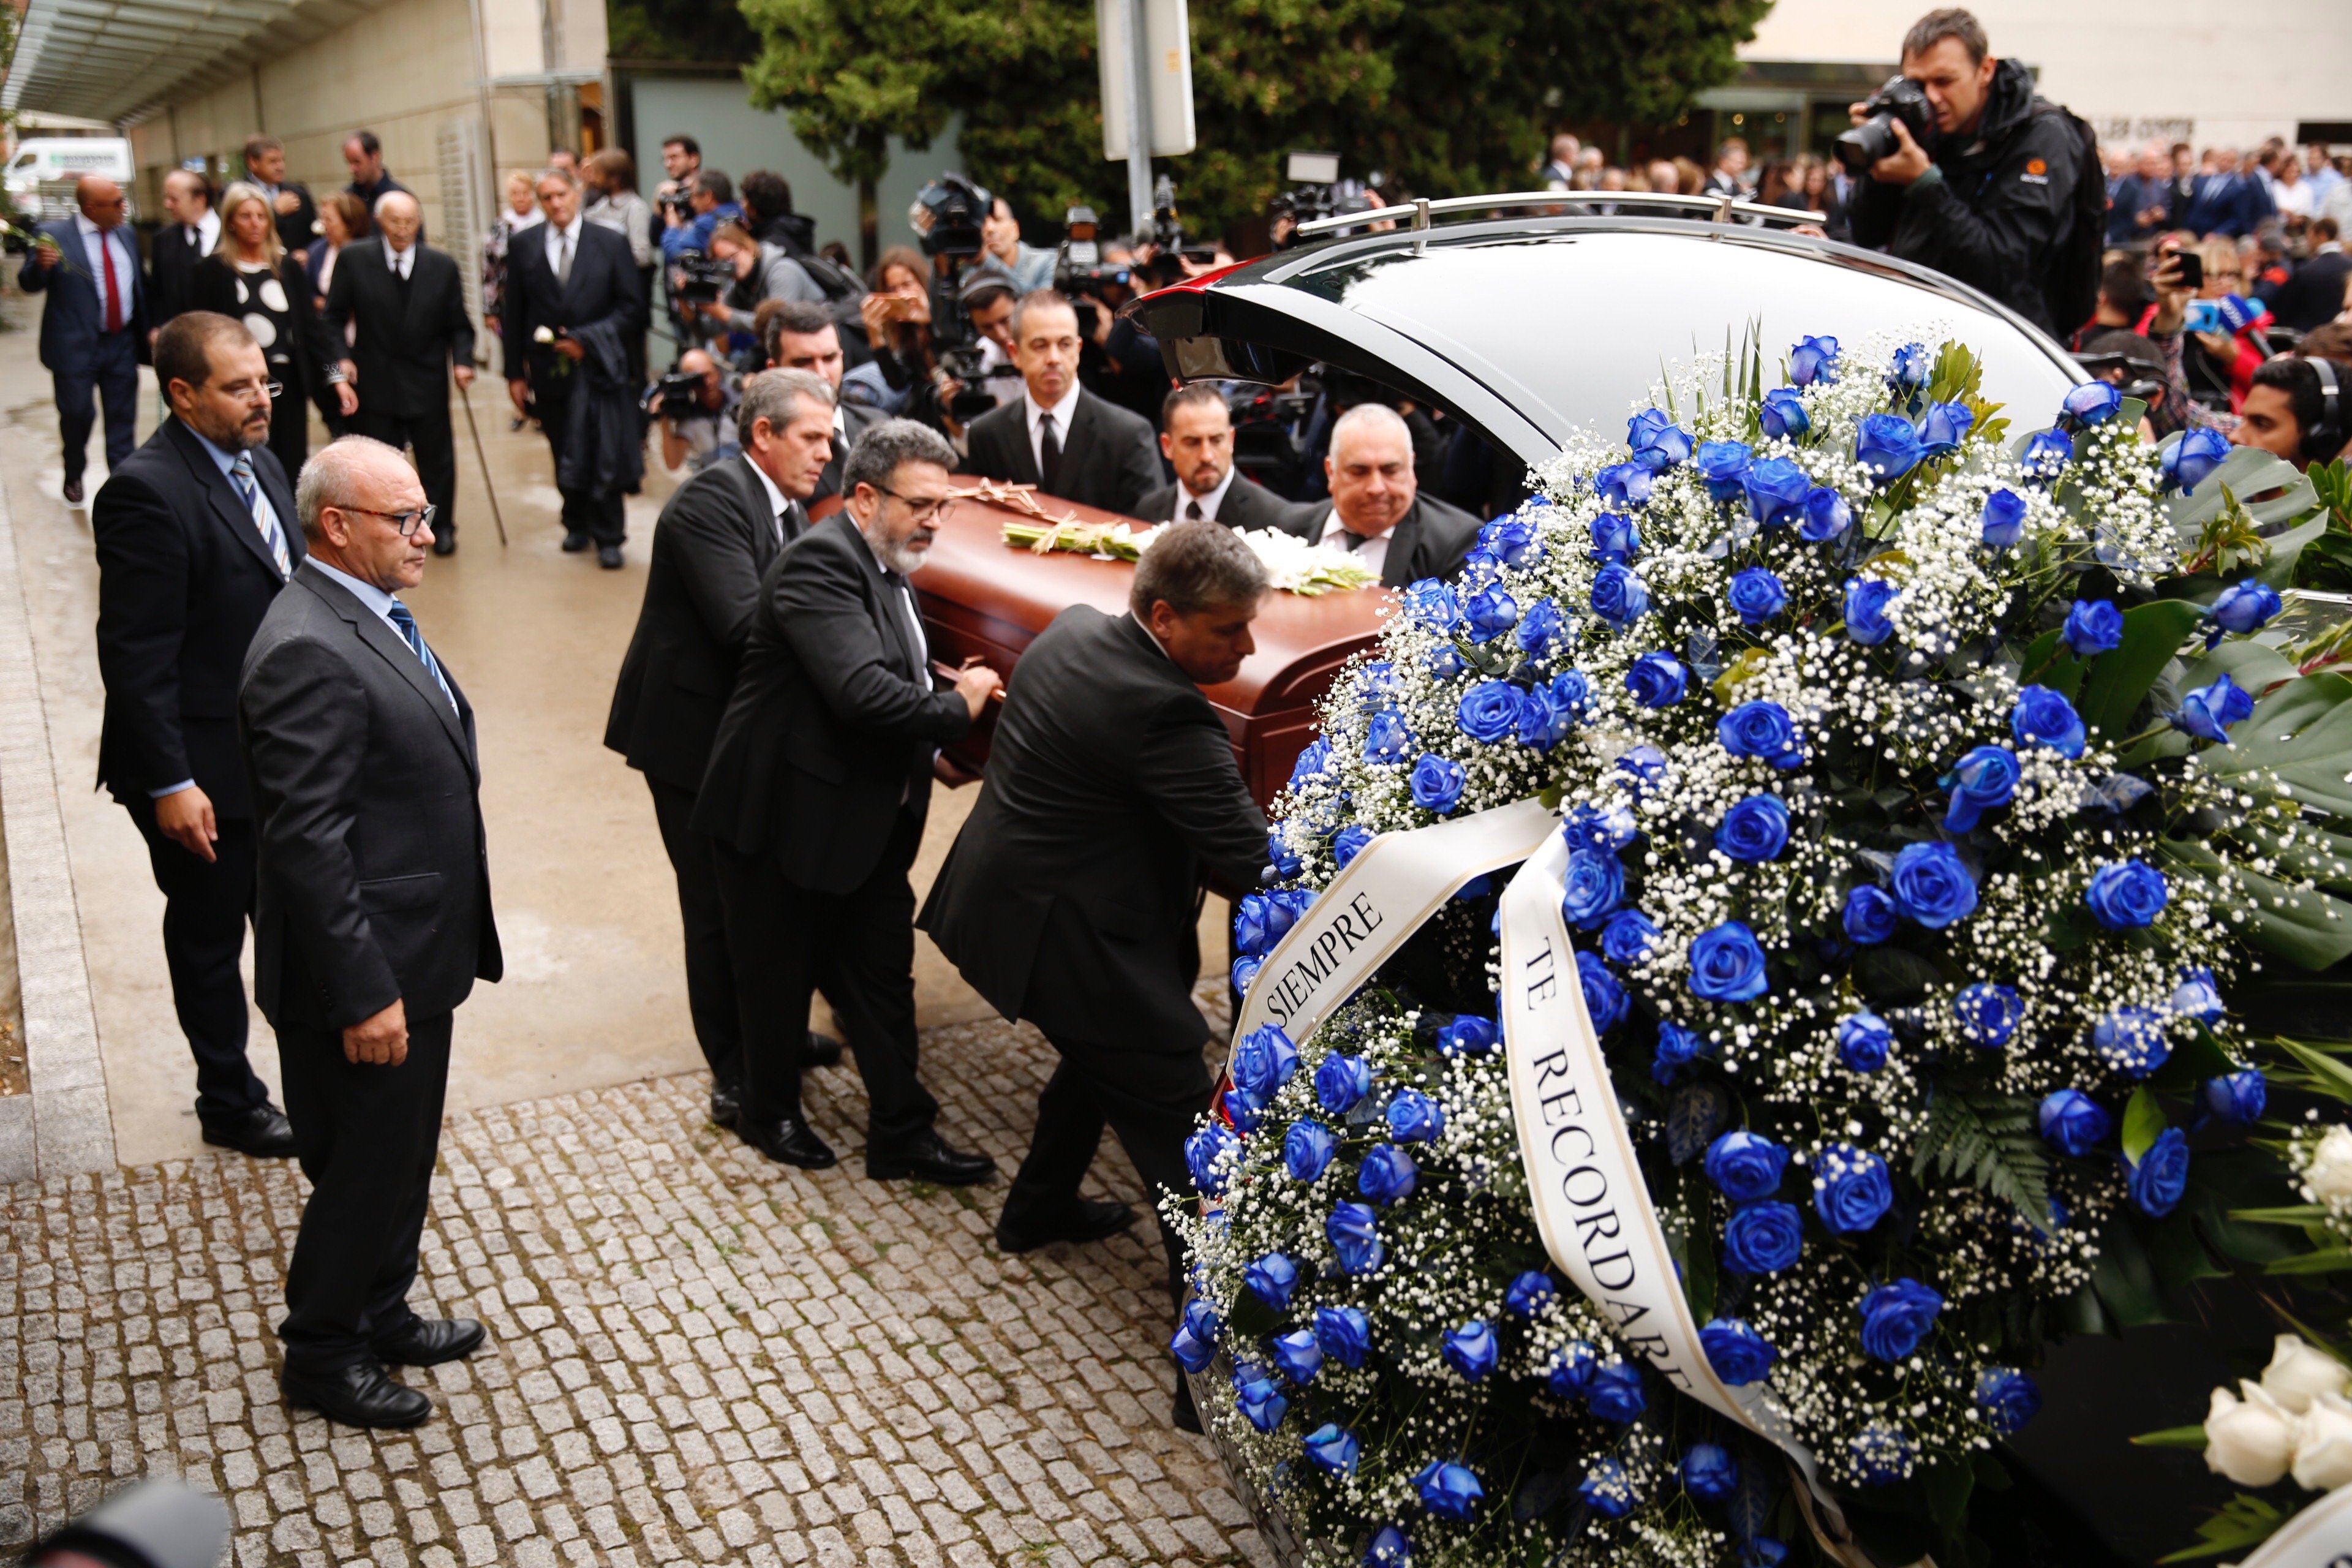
(695, 1355)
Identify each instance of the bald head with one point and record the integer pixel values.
(100, 200)
(399, 217)
(1370, 469)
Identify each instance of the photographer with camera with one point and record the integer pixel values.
(1971, 173)
(696, 408)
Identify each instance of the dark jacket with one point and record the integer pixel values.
(174, 256)
(2133, 196)
(183, 579)
(604, 448)
(2315, 295)
(856, 419)
(2228, 204)
(1070, 897)
(1247, 504)
(374, 882)
(1999, 218)
(1431, 541)
(1109, 458)
(294, 229)
(715, 538)
(604, 286)
(832, 720)
(408, 333)
(75, 317)
(306, 359)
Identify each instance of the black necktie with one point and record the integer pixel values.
(1192, 512)
(1352, 539)
(1049, 457)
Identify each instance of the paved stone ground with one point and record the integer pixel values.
(695, 1355)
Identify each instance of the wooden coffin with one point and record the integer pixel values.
(981, 596)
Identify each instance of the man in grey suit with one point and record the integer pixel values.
(373, 921)
(1196, 433)
(1377, 510)
(1058, 436)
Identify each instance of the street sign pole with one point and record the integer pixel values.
(1139, 120)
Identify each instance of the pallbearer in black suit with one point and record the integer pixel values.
(374, 921)
(716, 537)
(1070, 897)
(1196, 434)
(1377, 510)
(195, 536)
(1058, 436)
(407, 308)
(819, 781)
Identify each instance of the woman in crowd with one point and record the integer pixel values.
(2220, 361)
(343, 218)
(898, 379)
(521, 213)
(251, 276)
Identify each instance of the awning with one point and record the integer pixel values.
(119, 61)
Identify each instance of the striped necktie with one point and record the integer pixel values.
(402, 618)
(265, 516)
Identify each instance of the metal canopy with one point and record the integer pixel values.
(122, 60)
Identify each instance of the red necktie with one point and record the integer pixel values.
(114, 299)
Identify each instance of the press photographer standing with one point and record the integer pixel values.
(1993, 194)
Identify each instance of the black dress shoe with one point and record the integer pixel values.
(788, 1140)
(73, 492)
(928, 1157)
(263, 1132)
(822, 1052)
(1186, 1417)
(445, 544)
(724, 1105)
(608, 556)
(1087, 1219)
(429, 1341)
(573, 544)
(357, 1395)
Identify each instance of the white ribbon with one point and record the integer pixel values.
(2318, 1537)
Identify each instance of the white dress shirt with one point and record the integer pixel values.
(778, 502)
(402, 262)
(207, 229)
(1186, 500)
(555, 238)
(94, 241)
(1372, 555)
(1060, 411)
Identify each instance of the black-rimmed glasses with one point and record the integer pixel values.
(409, 523)
(937, 510)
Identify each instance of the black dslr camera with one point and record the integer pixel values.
(707, 278)
(677, 395)
(1901, 98)
(1080, 274)
(958, 208)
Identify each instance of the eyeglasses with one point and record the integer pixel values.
(256, 392)
(937, 510)
(409, 523)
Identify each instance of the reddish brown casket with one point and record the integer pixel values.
(981, 595)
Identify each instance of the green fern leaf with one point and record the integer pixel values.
(1989, 1142)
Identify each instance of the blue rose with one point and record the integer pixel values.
(1349, 843)
(1192, 1352)
(1489, 712)
(1271, 1279)
(2008, 1397)
(1607, 1489)
(1540, 628)
(1449, 1491)
(1612, 830)
(2162, 1173)
(2127, 895)
(1657, 681)
(1297, 1354)
(1353, 1231)
(1436, 784)
(1776, 490)
(1388, 740)
(1311, 763)
(1341, 1081)
(1745, 1166)
(1909, 370)
(1387, 1174)
(2094, 626)
(1261, 1400)
(1987, 1014)
(1389, 1549)
(1429, 603)
(1243, 1109)
(1709, 1473)
(1756, 595)
(1932, 887)
(2245, 606)
(1726, 964)
(1943, 427)
(1280, 855)
(2193, 455)
(1619, 597)
(1761, 729)
(1263, 1062)
(1466, 1036)
(1656, 442)
(1851, 1191)
(1984, 779)
(1677, 1047)
(1813, 359)
(1481, 568)
(2002, 523)
(1443, 662)
(1887, 446)
(1570, 1371)
(2131, 1041)
(1253, 915)
(1204, 1156)
(1594, 885)
(1306, 1149)
(1763, 1239)
(1862, 1040)
(1783, 415)
(1544, 720)
(2071, 1121)
(2045, 718)
(1529, 1292)
(1882, 1454)
(1345, 1334)
(1738, 1354)
(1754, 829)
(2047, 454)
(1629, 937)
(1331, 1450)
(1285, 906)
(1866, 599)
(1646, 766)
(2092, 402)
(2236, 1099)
(1616, 1394)
(1414, 1118)
(1623, 484)
(1827, 516)
(2197, 996)
(1490, 612)
(1724, 466)
(1511, 540)
(1869, 916)
(2210, 710)
(1615, 538)
(1896, 1317)
(1604, 999)
(1202, 1318)
(1245, 970)
(1470, 1350)
(1570, 693)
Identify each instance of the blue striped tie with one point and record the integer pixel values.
(407, 624)
(265, 516)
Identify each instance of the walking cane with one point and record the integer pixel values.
(466, 396)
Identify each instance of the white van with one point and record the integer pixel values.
(41, 172)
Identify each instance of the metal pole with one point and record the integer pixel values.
(1138, 121)
(466, 396)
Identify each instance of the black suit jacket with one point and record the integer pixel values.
(1247, 504)
(603, 288)
(294, 228)
(715, 538)
(407, 333)
(833, 720)
(1430, 542)
(856, 419)
(183, 579)
(373, 883)
(172, 266)
(1070, 896)
(1109, 458)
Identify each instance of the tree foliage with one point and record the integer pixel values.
(1444, 99)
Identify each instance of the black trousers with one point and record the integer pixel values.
(709, 973)
(205, 907)
(861, 945)
(366, 1137)
(597, 515)
(436, 455)
(112, 372)
(289, 421)
(1151, 1098)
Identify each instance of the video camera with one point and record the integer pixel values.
(707, 278)
(1901, 98)
(677, 395)
(1319, 194)
(947, 218)
(1080, 274)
